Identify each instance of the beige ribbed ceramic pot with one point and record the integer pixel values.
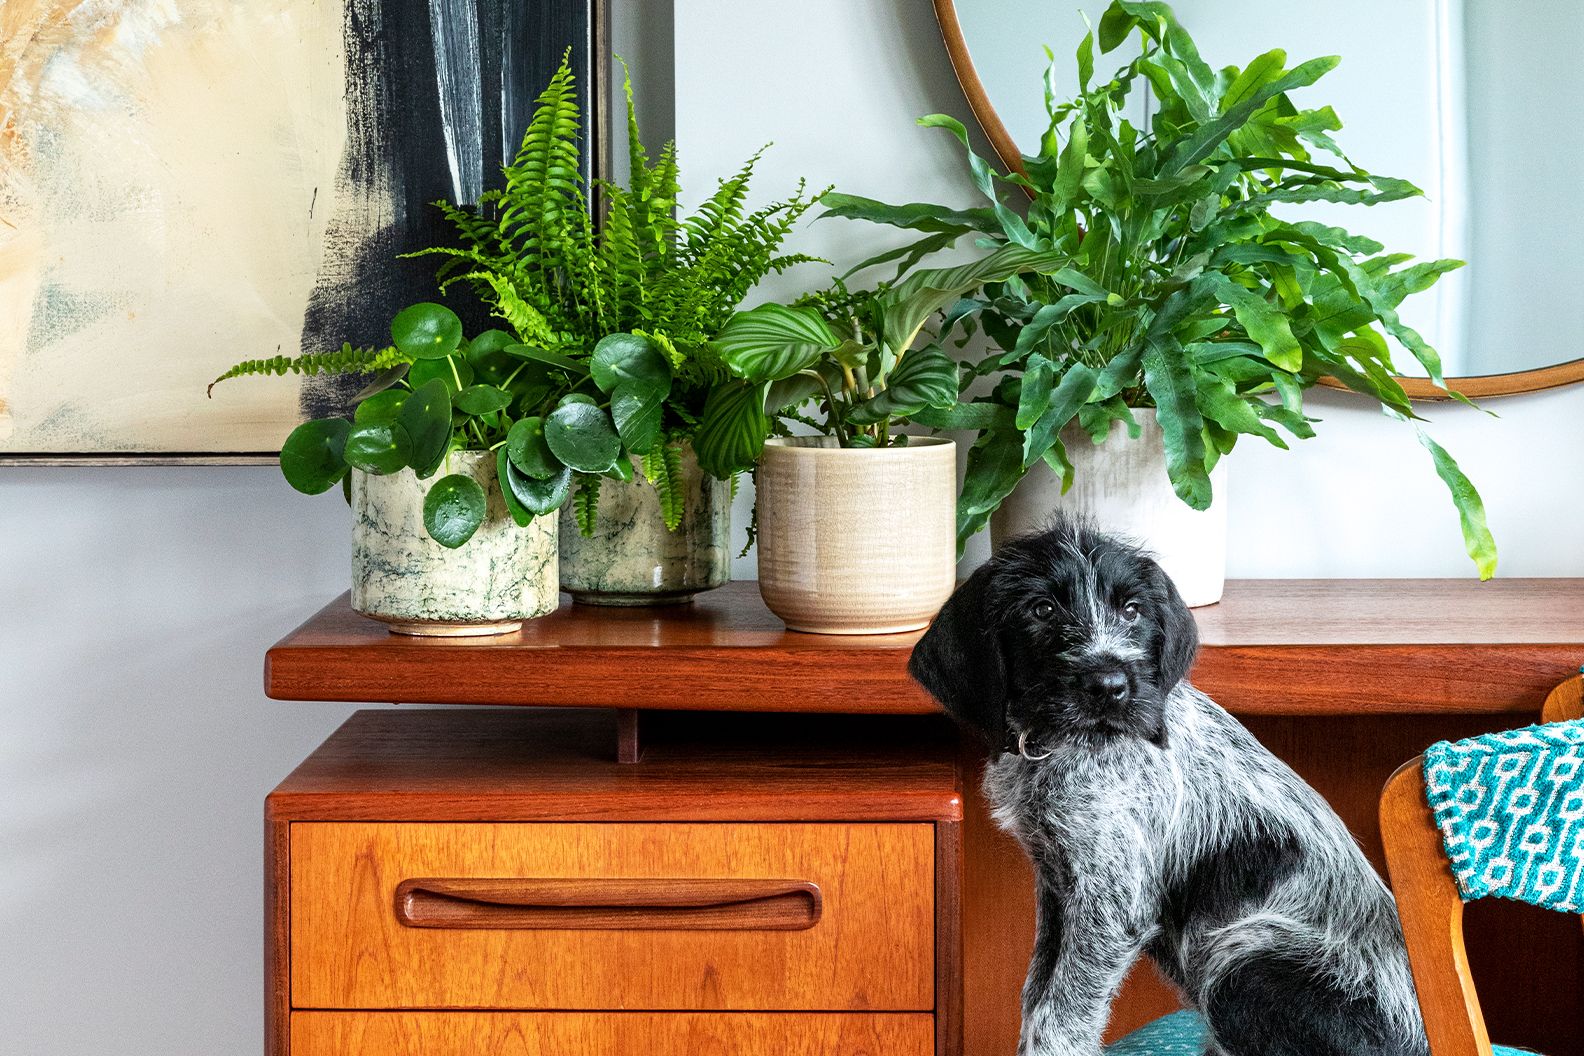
(857, 540)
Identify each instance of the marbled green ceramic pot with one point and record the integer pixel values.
(502, 576)
(633, 559)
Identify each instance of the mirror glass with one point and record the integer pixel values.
(1469, 99)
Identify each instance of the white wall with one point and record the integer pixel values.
(135, 604)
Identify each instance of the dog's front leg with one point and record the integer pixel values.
(1086, 939)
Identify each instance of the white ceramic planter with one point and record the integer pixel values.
(854, 540)
(1122, 486)
(503, 575)
(633, 559)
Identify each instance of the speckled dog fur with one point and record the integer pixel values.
(1156, 823)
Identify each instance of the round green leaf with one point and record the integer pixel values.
(426, 417)
(631, 360)
(426, 331)
(487, 353)
(525, 445)
(538, 496)
(381, 407)
(622, 471)
(378, 447)
(637, 418)
(483, 399)
(454, 509)
(577, 397)
(312, 458)
(514, 506)
(582, 436)
(427, 370)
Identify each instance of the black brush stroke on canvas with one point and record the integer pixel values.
(417, 70)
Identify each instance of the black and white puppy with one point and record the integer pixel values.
(1156, 823)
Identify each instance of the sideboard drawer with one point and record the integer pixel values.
(611, 1033)
(719, 917)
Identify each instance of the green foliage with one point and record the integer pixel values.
(632, 302)
(529, 412)
(454, 509)
(607, 354)
(662, 467)
(347, 360)
(585, 505)
(1172, 281)
(853, 352)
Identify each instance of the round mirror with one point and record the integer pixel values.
(1461, 97)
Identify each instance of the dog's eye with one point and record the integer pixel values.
(1043, 610)
(1130, 611)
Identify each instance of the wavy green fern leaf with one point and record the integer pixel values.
(662, 468)
(346, 360)
(674, 495)
(585, 504)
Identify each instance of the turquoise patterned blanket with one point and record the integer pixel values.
(1510, 807)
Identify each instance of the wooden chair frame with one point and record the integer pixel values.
(1429, 904)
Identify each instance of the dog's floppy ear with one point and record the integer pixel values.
(959, 661)
(1179, 639)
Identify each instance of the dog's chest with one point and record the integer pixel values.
(1080, 801)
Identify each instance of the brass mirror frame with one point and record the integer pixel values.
(1417, 388)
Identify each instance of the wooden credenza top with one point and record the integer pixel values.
(1273, 647)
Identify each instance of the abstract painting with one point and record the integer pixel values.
(189, 183)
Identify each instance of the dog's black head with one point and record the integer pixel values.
(1068, 632)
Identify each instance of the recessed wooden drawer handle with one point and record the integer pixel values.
(609, 904)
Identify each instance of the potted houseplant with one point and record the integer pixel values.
(855, 522)
(456, 461)
(1184, 313)
(652, 288)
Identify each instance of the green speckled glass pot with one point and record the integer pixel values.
(489, 585)
(631, 559)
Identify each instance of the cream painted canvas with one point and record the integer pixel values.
(189, 183)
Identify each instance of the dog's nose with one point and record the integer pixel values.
(1110, 686)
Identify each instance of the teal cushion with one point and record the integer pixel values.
(1179, 1034)
(1183, 1034)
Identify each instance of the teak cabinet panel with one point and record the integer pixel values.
(864, 942)
(610, 1034)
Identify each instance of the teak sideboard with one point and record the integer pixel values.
(442, 882)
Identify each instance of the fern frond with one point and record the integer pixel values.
(637, 159)
(346, 360)
(585, 504)
(505, 303)
(673, 496)
(619, 259)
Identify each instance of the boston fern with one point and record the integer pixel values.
(658, 285)
(1176, 285)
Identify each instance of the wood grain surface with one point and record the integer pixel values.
(609, 1034)
(872, 949)
(1271, 647)
(515, 764)
(1432, 918)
